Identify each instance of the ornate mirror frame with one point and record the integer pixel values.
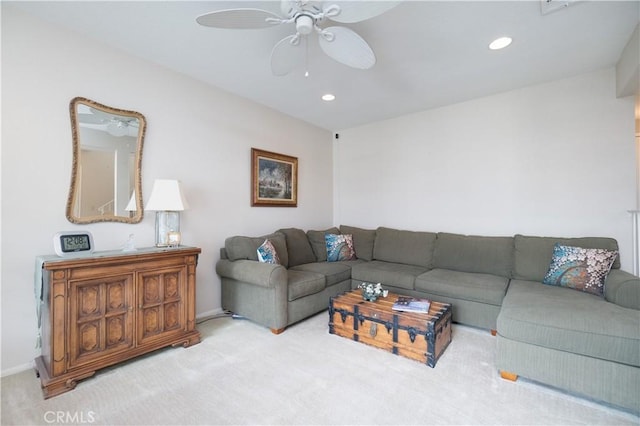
(110, 123)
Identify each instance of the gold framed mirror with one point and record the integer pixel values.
(106, 175)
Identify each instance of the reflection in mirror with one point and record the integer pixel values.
(106, 183)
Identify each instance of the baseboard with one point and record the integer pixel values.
(202, 316)
(18, 369)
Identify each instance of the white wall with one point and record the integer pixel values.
(556, 159)
(195, 133)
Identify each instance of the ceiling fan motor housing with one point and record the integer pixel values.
(304, 24)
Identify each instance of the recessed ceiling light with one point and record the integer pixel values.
(328, 97)
(500, 43)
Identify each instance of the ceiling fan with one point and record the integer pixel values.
(338, 42)
(115, 125)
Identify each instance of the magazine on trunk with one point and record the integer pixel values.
(411, 304)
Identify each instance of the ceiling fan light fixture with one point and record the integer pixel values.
(328, 97)
(117, 128)
(500, 43)
(304, 24)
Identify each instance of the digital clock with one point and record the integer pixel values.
(72, 243)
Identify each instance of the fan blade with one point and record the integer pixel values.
(286, 55)
(360, 10)
(238, 19)
(347, 47)
(100, 113)
(290, 7)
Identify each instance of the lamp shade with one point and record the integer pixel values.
(166, 195)
(132, 205)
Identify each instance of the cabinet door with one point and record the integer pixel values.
(100, 317)
(161, 303)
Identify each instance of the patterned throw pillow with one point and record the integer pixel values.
(339, 247)
(580, 268)
(267, 253)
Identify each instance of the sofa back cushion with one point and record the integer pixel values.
(363, 240)
(471, 253)
(532, 255)
(239, 247)
(298, 247)
(406, 247)
(318, 243)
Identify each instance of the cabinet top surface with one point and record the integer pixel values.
(143, 251)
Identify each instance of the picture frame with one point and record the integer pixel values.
(274, 179)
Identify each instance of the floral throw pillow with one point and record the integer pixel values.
(580, 268)
(339, 247)
(267, 253)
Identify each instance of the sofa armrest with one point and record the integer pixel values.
(263, 274)
(622, 288)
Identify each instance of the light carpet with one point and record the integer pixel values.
(243, 374)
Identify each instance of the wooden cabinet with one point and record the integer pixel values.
(99, 310)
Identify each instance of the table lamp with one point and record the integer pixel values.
(167, 200)
(132, 205)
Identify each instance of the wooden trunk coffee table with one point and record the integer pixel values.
(419, 336)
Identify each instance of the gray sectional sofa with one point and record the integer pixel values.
(562, 337)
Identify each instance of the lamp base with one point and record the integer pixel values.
(167, 229)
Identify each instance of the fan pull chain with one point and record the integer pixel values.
(306, 56)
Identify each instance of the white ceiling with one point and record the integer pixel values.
(429, 53)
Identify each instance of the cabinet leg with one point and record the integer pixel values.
(60, 386)
(190, 339)
(277, 330)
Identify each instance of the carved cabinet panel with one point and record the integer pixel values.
(101, 313)
(160, 302)
(99, 310)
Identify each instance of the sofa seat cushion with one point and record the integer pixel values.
(393, 274)
(570, 321)
(483, 288)
(303, 283)
(334, 272)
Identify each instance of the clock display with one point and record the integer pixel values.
(73, 243)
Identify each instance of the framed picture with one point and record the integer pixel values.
(274, 179)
